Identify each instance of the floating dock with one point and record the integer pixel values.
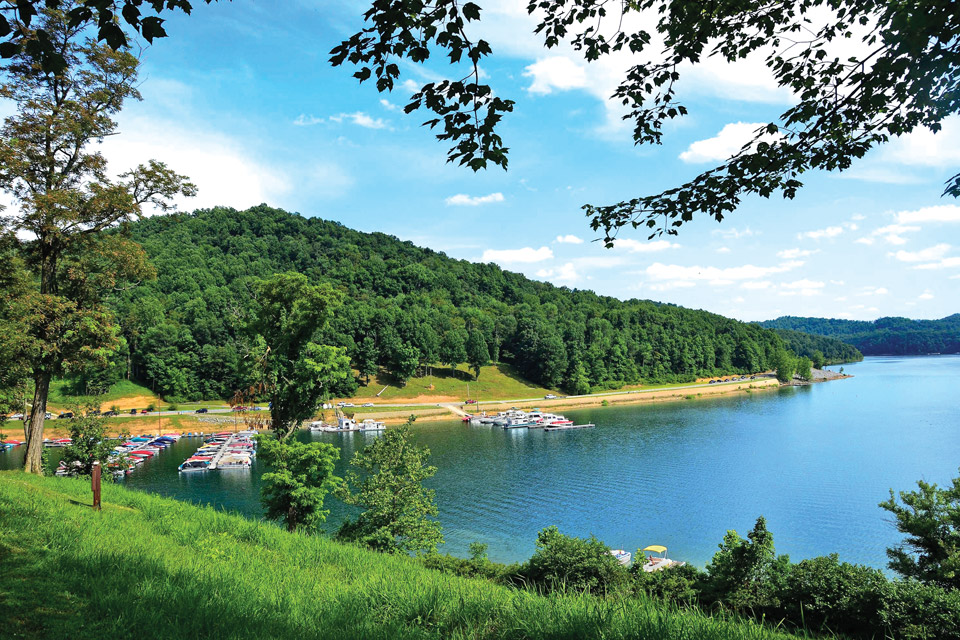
(570, 426)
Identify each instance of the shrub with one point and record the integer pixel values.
(577, 564)
(680, 585)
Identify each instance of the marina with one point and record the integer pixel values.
(224, 451)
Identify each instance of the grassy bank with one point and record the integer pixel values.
(149, 567)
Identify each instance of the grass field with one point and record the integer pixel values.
(445, 385)
(150, 567)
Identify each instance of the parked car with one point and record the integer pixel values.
(341, 404)
(470, 401)
(142, 411)
(550, 396)
(94, 412)
(65, 414)
(133, 412)
(16, 416)
(349, 404)
(368, 404)
(202, 410)
(108, 414)
(48, 416)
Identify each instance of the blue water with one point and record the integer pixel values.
(814, 460)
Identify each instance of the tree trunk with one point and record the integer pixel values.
(34, 462)
(291, 519)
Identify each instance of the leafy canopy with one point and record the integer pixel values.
(389, 487)
(900, 75)
(291, 368)
(300, 477)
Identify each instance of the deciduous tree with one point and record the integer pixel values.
(66, 201)
(397, 508)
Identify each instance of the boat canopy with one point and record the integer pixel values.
(656, 548)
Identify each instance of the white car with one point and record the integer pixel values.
(17, 416)
(368, 404)
(349, 404)
(549, 396)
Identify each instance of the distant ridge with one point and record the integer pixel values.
(884, 336)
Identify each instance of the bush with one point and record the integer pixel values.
(921, 611)
(680, 585)
(824, 594)
(576, 564)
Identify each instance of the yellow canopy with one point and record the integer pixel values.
(656, 548)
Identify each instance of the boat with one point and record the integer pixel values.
(234, 462)
(193, 464)
(372, 425)
(622, 556)
(660, 561)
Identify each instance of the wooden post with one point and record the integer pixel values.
(95, 485)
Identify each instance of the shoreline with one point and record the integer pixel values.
(445, 411)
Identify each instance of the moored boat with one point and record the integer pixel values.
(659, 561)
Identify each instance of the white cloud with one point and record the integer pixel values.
(858, 216)
(726, 143)
(555, 73)
(926, 295)
(873, 291)
(526, 254)
(303, 120)
(734, 233)
(756, 285)
(924, 255)
(361, 119)
(942, 264)
(463, 200)
(723, 250)
(940, 213)
(569, 239)
(637, 246)
(660, 271)
(225, 170)
(411, 85)
(893, 233)
(817, 234)
(673, 284)
(389, 106)
(804, 287)
(865, 240)
(793, 254)
(923, 147)
(565, 273)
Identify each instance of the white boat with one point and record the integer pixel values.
(622, 556)
(372, 425)
(194, 465)
(234, 462)
(660, 561)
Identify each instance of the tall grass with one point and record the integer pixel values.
(150, 567)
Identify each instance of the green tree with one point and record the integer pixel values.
(930, 518)
(784, 364)
(819, 361)
(300, 477)
(747, 574)
(66, 201)
(404, 362)
(575, 564)
(804, 371)
(396, 506)
(89, 444)
(452, 348)
(477, 353)
(367, 358)
(285, 363)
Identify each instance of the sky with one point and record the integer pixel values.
(242, 99)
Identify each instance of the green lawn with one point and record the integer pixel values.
(496, 382)
(60, 397)
(150, 567)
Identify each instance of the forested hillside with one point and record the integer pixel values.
(833, 350)
(893, 336)
(404, 307)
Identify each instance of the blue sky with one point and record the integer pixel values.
(241, 98)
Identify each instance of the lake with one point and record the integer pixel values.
(814, 460)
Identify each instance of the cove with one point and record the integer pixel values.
(815, 461)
